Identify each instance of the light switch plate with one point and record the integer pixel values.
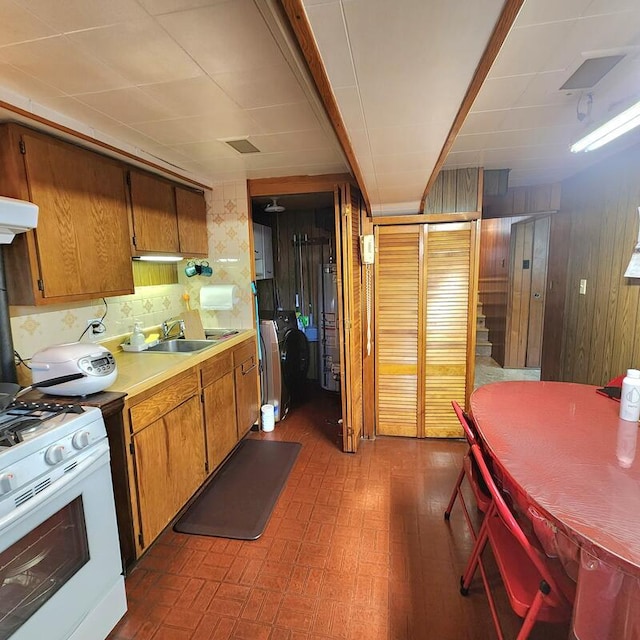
(583, 287)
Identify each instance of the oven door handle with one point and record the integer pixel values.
(97, 457)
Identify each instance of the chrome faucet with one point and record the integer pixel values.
(169, 325)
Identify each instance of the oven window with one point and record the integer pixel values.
(40, 563)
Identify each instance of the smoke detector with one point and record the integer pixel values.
(274, 207)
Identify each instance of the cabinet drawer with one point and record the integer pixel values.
(244, 351)
(168, 397)
(216, 367)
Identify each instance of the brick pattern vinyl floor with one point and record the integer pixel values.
(356, 549)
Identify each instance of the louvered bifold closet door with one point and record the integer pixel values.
(397, 296)
(449, 270)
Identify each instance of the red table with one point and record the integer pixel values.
(573, 463)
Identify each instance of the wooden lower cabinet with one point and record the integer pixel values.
(219, 408)
(169, 460)
(182, 430)
(246, 385)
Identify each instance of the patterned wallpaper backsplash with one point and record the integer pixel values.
(34, 328)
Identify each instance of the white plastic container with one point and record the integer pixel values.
(630, 396)
(137, 337)
(268, 421)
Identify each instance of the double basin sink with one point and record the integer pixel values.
(180, 345)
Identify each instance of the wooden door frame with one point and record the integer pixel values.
(331, 183)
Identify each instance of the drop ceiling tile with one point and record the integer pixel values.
(203, 151)
(73, 15)
(328, 27)
(533, 117)
(599, 35)
(123, 134)
(544, 89)
(190, 97)
(73, 108)
(19, 25)
(211, 33)
(405, 139)
(14, 80)
(230, 124)
(414, 179)
(285, 117)
(291, 158)
(294, 141)
(404, 162)
(261, 86)
(158, 7)
(522, 52)
(501, 93)
(140, 51)
(483, 121)
(463, 158)
(348, 99)
(128, 105)
(60, 63)
(399, 193)
(545, 11)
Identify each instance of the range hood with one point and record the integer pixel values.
(16, 216)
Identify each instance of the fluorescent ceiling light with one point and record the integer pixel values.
(159, 258)
(610, 130)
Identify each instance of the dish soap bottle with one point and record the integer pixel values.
(137, 337)
(630, 396)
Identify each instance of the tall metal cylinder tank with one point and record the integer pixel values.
(328, 338)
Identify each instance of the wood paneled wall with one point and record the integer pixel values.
(600, 335)
(287, 264)
(541, 198)
(493, 283)
(455, 190)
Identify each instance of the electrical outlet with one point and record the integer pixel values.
(96, 326)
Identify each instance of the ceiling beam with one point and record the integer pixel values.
(507, 17)
(294, 10)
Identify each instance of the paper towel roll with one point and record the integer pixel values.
(219, 297)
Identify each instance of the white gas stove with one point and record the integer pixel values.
(60, 567)
(36, 439)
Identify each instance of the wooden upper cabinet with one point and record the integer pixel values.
(80, 249)
(192, 223)
(167, 218)
(155, 223)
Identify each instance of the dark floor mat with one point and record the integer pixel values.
(238, 501)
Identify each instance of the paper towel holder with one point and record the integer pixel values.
(219, 297)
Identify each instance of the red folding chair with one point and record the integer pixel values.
(536, 586)
(470, 471)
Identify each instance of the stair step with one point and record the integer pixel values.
(483, 348)
(482, 334)
(481, 321)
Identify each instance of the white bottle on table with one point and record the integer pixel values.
(630, 396)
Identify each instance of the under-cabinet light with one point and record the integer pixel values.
(610, 130)
(159, 258)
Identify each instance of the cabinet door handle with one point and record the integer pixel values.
(249, 370)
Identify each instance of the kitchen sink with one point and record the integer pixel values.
(179, 345)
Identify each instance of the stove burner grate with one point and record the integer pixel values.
(21, 419)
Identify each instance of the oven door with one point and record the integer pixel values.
(60, 567)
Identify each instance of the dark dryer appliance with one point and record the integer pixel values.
(286, 360)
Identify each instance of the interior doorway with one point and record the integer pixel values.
(527, 293)
(296, 281)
